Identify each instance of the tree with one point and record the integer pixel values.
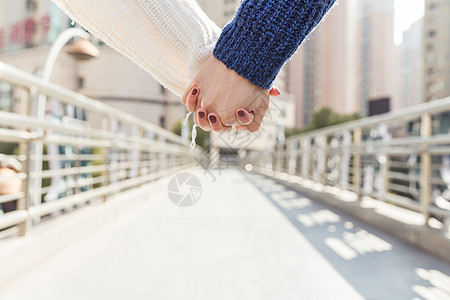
(327, 117)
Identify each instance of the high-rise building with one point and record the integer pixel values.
(411, 66)
(437, 49)
(379, 68)
(322, 73)
(348, 60)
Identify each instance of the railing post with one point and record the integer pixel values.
(141, 155)
(293, 154)
(106, 157)
(425, 168)
(384, 171)
(276, 159)
(324, 143)
(25, 149)
(306, 146)
(77, 164)
(357, 139)
(288, 157)
(320, 145)
(281, 157)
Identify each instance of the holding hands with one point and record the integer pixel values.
(233, 87)
(220, 99)
(173, 41)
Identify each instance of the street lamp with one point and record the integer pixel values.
(81, 49)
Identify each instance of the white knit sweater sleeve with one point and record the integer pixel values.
(171, 39)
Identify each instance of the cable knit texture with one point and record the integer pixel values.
(171, 39)
(265, 34)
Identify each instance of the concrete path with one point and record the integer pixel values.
(246, 238)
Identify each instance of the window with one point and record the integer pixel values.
(31, 5)
(433, 6)
(6, 92)
(434, 87)
(431, 72)
(80, 82)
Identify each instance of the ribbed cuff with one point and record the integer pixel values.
(265, 34)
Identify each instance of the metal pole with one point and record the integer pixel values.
(425, 168)
(37, 148)
(306, 147)
(24, 149)
(357, 139)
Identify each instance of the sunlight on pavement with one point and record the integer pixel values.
(294, 202)
(440, 285)
(359, 243)
(341, 248)
(364, 242)
(318, 218)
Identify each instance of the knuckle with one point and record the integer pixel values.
(229, 121)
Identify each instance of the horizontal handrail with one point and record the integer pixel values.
(82, 162)
(18, 77)
(391, 164)
(406, 114)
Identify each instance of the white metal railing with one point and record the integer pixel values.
(82, 161)
(401, 157)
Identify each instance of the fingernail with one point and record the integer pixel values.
(194, 91)
(201, 114)
(212, 119)
(241, 113)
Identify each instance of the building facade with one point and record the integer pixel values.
(379, 57)
(347, 61)
(411, 68)
(322, 73)
(436, 49)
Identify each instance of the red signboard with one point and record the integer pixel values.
(25, 32)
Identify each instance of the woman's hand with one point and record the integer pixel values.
(221, 98)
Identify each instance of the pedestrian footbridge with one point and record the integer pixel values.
(125, 210)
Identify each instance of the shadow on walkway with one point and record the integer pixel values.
(377, 265)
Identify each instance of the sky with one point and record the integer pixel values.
(406, 13)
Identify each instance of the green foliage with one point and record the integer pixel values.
(98, 162)
(322, 118)
(288, 132)
(202, 136)
(327, 117)
(9, 148)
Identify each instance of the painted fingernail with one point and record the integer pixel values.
(212, 119)
(194, 91)
(201, 114)
(241, 113)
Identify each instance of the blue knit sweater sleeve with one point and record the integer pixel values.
(265, 33)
